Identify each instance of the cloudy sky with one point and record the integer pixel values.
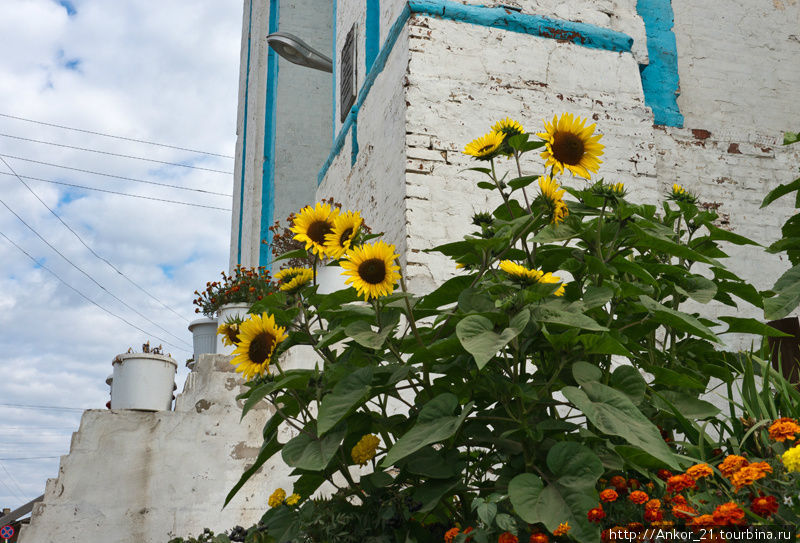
(162, 72)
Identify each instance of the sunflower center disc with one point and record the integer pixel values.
(233, 334)
(567, 148)
(345, 237)
(317, 231)
(261, 348)
(373, 271)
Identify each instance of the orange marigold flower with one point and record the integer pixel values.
(679, 499)
(609, 495)
(732, 464)
(728, 514)
(702, 521)
(663, 474)
(539, 538)
(699, 471)
(783, 429)
(450, 535)
(653, 515)
(764, 506)
(562, 529)
(619, 482)
(507, 537)
(653, 504)
(596, 514)
(676, 483)
(762, 466)
(638, 497)
(683, 511)
(747, 476)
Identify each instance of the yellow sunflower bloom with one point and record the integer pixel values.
(313, 224)
(345, 228)
(553, 195)
(486, 146)
(229, 332)
(371, 269)
(258, 338)
(571, 145)
(292, 279)
(680, 194)
(365, 449)
(530, 276)
(508, 127)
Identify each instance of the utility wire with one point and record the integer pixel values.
(13, 480)
(82, 294)
(114, 176)
(28, 458)
(114, 154)
(68, 227)
(84, 187)
(20, 498)
(114, 136)
(26, 406)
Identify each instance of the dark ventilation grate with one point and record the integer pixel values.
(347, 76)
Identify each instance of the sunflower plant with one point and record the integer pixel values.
(558, 356)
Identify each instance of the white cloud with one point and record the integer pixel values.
(165, 73)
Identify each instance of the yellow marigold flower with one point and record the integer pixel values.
(783, 429)
(229, 332)
(293, 499)
(485, 147)
(293, 278)
(699, 471)
(313, 224)
(791, 459)
(508, 126)
(530, 276)
(562, 529)
(732, 464)
(365, 449)
(571, 145)
(371, 269)
(277, 498)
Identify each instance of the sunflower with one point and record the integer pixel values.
(229, 332)
(680, 194)
(258, 337)
(345, 228)
(530, 276)
(486, 146)
(313, 224)
(292, 279)
(508, 127)
(372, 269)
(571, 145)
(553, 196)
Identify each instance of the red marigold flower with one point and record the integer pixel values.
(732, 464)
(450, 535)
(683, 511)
(562, 529)
(634, 484)
(676, 483)
(638, 497)
(699, 471)
(539, 538)
(783, 429)
(619, 482)
(764, 506)
(679, 499)
(653, 515)
(728, 514)
(466, 531)
(596, 514)
(653, 504)
(507, 537)
(664, 474)
(609, 495)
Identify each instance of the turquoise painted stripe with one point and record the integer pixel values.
(580, 33)
(354, 133)
(244, 133)
(537, 25)
(660, 80)
(268, 164)
(373, 32)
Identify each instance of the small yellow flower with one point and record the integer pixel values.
(680, 194)
(484, 147)
(365, 449)
(791, 459)
(293, 499)
(562, 529)
(277, 498)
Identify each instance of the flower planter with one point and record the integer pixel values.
(143, 381)
(225, 312)
(330, 279)
(204, 336)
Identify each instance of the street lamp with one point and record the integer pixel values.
(299, 52)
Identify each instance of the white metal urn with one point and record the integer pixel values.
(143, 381)
(204, 336)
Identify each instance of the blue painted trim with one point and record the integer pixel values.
(268, 164)
(372, 32)
(660, 80)
(581, 33)
(354, 133)
(244, 133)
(333, 86)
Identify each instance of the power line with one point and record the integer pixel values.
(26, 406)
(68, 227)
(28, 458)
(13, 480)
(114, 136)
(114, 176)
(115, 154)
(20, 498)
(118, 193)
(85, 298)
